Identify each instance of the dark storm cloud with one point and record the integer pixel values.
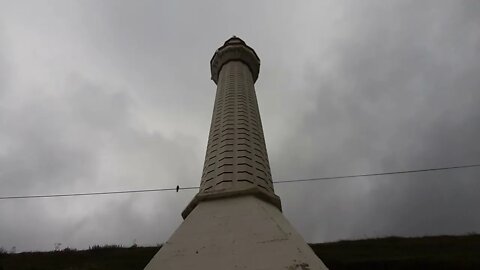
(403, 94)
(73, 144)
(116, 95)
(4, 64)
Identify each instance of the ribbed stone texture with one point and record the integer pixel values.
(236, 162)
(236, 154)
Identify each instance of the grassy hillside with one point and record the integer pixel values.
(439, 252)
(107, 257)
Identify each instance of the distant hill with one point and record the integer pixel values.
(435, 252)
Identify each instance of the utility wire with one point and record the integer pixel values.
(275, 182)
(94, 193)
(378, 174)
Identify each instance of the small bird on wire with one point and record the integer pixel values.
(178, 187)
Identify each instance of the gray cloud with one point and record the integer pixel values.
(116, 95)
(398, 98)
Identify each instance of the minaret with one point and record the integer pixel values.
(235, 220)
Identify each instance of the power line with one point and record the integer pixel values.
(378, 174)
(275, 182)
(94, 193)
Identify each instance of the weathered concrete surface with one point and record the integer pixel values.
(235, 233)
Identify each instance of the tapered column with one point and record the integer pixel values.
(235, 220)
(236, 162)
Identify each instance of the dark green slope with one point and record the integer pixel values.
(436, 252)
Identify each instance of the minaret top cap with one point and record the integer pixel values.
(234, 49)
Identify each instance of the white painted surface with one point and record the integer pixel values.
(235, 233)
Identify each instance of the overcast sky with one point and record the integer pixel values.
(114, 95)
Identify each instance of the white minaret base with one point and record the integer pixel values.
(235, 233)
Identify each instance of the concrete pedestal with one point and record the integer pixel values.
(235, 233)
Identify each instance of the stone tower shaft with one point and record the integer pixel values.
(236, 162)
(235, 220)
